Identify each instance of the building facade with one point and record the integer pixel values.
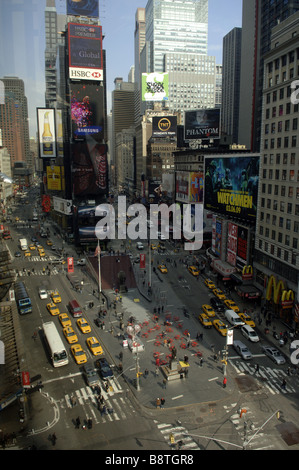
(277, 237)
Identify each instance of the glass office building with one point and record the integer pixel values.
(175, 26)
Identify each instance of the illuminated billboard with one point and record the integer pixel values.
(164, 126)
(85, 52)
(202, 124)
(189, 186)
(155, 86)
(87, 110)
(89, 168)
(54, 178)
(88, 8)
(46, 132)
(231, 186)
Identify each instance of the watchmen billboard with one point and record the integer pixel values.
(231, 186)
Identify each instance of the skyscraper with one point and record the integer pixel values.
(231, 83)
(177, 26)
(259, 17)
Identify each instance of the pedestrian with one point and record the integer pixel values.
(257, 368)
(78, 422)
(164, 383)
(200, 361)
(73, 401)
(162, 402)
(89, 423)
(158, 403)
(224, 382)
(145, 373)
(284, 384)
(53, 439)
(157, 371)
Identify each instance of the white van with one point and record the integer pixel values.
(249, 333)
(233, 318)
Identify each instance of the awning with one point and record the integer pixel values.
(248, 291)
(236, 278)
(223, 268)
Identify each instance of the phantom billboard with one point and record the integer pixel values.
(202, 124)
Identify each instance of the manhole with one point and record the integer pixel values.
(247, 384)
(289, 433)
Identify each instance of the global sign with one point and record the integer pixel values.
(85, 52)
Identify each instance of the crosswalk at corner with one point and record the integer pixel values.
(117, 404)
(174, 434)
(246, 425)
(270, 377)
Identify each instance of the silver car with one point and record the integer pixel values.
(242, 350)
(274, 354)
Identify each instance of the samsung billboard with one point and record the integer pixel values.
(231, 186)
(89, 8)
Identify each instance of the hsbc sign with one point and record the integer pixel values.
(85, 74)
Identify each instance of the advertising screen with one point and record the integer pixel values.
(155, 86)
(88, 8)
(46, 132)
(164, 126)
(231, 186)
(182, 186)
(89, 168)
(196, 187)
(87, 111)
(202, 124)
(85, 52)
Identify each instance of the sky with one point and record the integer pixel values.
(23, 56)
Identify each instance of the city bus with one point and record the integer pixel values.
(56, 348)
(22, 298)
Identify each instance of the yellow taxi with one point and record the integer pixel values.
(220, 327)
(204, 320)
(247, 319)
(94, 346)
(70, 335)
(219, 294)
(65, 320)
(78, 354)
(27, 253)
(49, 242)
(208, 310)
(53, 309)
(193, 270)
(231, 305)
(83, 325)
(210, 284)
(153, 246)
(41, 252)
(55, 296)
(162, 268)
(32, 246)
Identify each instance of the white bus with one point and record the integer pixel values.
(55, 345)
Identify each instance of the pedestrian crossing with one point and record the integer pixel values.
(117, 404)
(175, 434)
(37, 272)
(246, 424)
(272, 378)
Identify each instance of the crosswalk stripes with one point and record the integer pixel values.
(118, 406)
(246, 426)
(37, 272)
(179, 433)
(272, 378)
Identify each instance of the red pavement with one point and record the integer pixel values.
(110, 267)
